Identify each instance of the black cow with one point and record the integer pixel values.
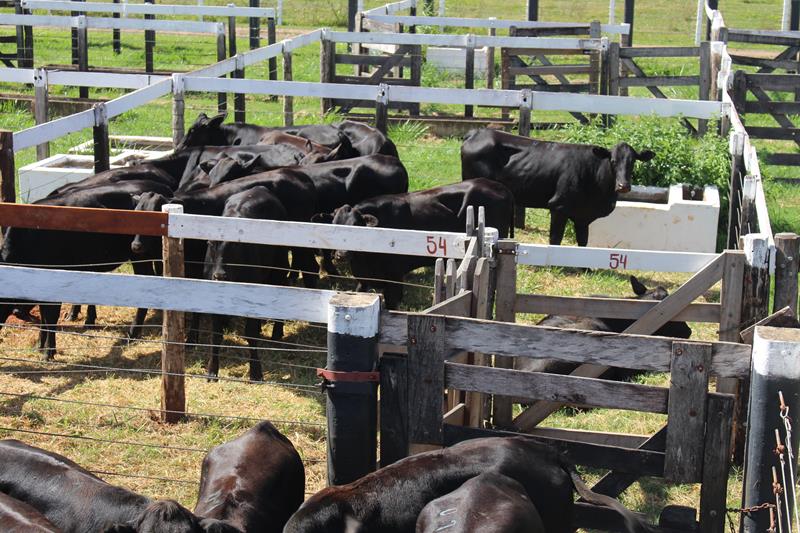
(489, 503)
(77, 501)
(77, 250)
(677, 329)
(19, 517)
(254, 482)
(390, 499)
(367, 140)
(437, 209)
(577, 182)
(139, 172)
(247, 263)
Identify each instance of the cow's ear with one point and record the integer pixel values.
(647, 155)
(638, 288)
(215, 121)
(370, 221)
(322, 218)
(601, 152)
(136, 198)
(202, 118)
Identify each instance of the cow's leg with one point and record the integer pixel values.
(558, 223)
(212, 367)
(91, 315)
(277, 330)
(141, 269)
(47, 331)
(392, 293)
(194, 329)
(74, 313)
(581, 233)
(304, 260)
(327, 263)
(252, 330)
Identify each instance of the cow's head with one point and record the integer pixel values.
(147, 246)
(622, 157)
(205, 132)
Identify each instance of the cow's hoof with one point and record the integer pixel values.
(256, 377)
(212, 378)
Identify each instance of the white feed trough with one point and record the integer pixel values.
(455, 59)
(38, 179)
(679, 225)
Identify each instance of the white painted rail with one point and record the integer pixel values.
(150, 9)
(310, 235)
(186, 26)
(173, 294)
(463, 41)
(611, 258)
(464, 22)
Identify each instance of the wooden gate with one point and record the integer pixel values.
(546, 70)
(776, 96)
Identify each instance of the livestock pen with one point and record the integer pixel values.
(193, 84)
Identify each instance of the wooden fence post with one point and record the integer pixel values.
(149, 42)
(469, 71)
(490, 59)
(630, 8)
(255, 27)
(351, 384)
(327, 66)
(40, 105)
(8, 188)
(438, 282)
(116, 33)
(239, 111)
(426, 353)
(525, 106)
(505, 301)
(222, 98)
(382, 108)
(102, 149)
(272, 63)
(288, 101)
(173, 353)
(533, 9)
(705, 82)
(178, 110)
(716, 464)
(776, 352)
(394, 408)
(787, 259)
(83, 52)
(737, 177)
(352, 9)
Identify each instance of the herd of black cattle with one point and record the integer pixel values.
(349, 174)
(255, 484)
(346, 173)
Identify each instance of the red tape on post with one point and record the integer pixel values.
(354, 377)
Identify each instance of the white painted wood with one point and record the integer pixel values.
(612, 6)
(611, 258)
(230, 10)
(699, 23)
(279, 20)
(280, 88)
(188, 26)
(785, 12)
(302, 40)
(173, 294)
(623, 105)
(138, 98)
(775, 352)
(53, 130)
(356, 314)
(101, 79)
(558, 43)
(17, 75)
(220, 68)
(462, 96)
(326, 236)
(259, 55)
(464, 22)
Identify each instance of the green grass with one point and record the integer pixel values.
(431, 161)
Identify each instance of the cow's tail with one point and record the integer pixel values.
(633, 523)
(512, 217)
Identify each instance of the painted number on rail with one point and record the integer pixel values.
(616, 261)
(436, 245)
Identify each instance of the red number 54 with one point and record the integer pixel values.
(433, 245)
(618, 261)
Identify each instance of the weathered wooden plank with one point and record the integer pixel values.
(394, 409)
(549, 70)
(620, 440)
(659, 51)
(456, 415)
(731, 297)
(640, 462)
(557, 388)
(614, 483)
(783, 318)
(763, 132)
(687, 412)
(458, 305)
(355, 59)
(173, 352)
(426, 354)
(790, 108)
(596, 518)
(772, 64)
(363, 80)
(639, 352)
(86, 219)
(669, 81)
(506, 294)
(760, 37)
(782, 159)
(548, 51)
(716, 463)
(607, 307)
(481, 308)
(450, 279)
(561, 88)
